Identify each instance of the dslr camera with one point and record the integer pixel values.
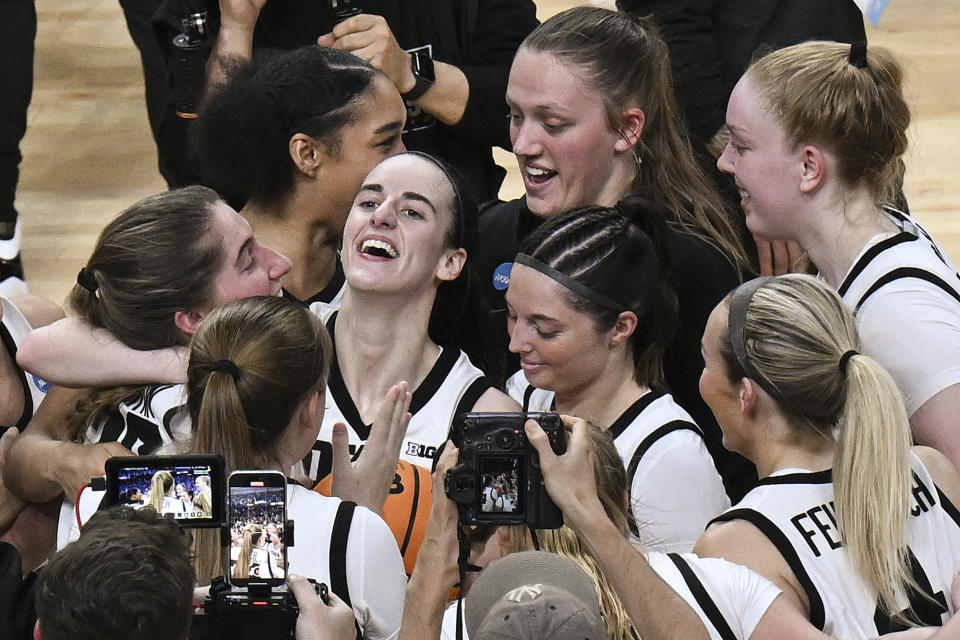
(497, 478)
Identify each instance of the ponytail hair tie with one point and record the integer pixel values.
(858, 54)
(86, 280)
(226, 366)
(845, 358)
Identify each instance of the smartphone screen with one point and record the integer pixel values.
(256, 502)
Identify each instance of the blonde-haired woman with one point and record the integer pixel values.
(817, 133)
(858, 529)
(162, 497)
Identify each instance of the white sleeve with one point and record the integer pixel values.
(375, 576)
(448, 630)
(675, 492)
(912, 328)
(516, 386)
(741, 594)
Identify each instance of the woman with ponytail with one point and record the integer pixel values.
(256, 393)
(857, 527)
(818, 133)
(591, 315)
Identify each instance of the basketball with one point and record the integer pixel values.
(407, 508)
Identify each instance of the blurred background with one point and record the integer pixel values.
(88, 152)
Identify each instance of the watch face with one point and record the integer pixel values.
(422, 61)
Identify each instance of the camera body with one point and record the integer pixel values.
(260, 612)
(341, 10)
(497, 479)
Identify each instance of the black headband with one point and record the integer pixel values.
(566, 281)
(736, 332)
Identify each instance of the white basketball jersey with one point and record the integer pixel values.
(657, 441)
(794, 509)
(13, 330)
(729, 598)
(453, 385)
(156, 417)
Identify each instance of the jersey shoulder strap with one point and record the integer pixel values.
(702, 597)
(908, 272)
(646, 443)
(338, 554)
(779, 539)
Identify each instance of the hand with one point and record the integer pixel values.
(368, 479)
(444, 518)
(318, 620)
(369, 37)
(81, 462)
(569, 477)
(240, 14)
(777, 257)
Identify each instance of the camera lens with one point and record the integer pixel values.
(506, 439)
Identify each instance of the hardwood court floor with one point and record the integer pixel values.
(88, 152)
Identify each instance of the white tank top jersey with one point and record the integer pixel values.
(794, 509)
(13, 329)
(453, 385)
(156, 417)
(658, 442)
(905, 292)
(376, 580)
(729, 598)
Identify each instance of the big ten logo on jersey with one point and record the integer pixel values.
(427, 452)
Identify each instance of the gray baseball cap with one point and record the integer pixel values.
(534, 595)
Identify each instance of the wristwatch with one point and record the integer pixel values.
(422, 66)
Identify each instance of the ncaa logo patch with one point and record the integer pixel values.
(40, 384)
(501, 277)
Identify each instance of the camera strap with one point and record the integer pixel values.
(463, 565)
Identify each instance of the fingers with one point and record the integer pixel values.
(764, 255)
(358, 23)
(448, 459)
(327, 40)
(781, 257)
(340, 442)
(303, 591)
(794, 253)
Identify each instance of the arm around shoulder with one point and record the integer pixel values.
(71, 353)
(942, 470)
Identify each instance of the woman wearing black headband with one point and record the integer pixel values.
(591, 316)
(856, 528)
(818, 131)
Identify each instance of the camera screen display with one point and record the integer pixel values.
(501, 484)
(257, 516)
(180, 491)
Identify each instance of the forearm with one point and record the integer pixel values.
(654, 608)
(447, 98)
(427, 593)
(70, 353)
(234, 45)
(30, 470)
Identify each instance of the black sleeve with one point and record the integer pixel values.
(499, 28)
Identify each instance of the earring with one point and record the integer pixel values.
(639, 160)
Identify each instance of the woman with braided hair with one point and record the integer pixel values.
(591, 315)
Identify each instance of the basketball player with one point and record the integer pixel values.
(590, 315)
(858, 528)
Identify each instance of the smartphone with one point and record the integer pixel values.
(257, 514)
(187, 488)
